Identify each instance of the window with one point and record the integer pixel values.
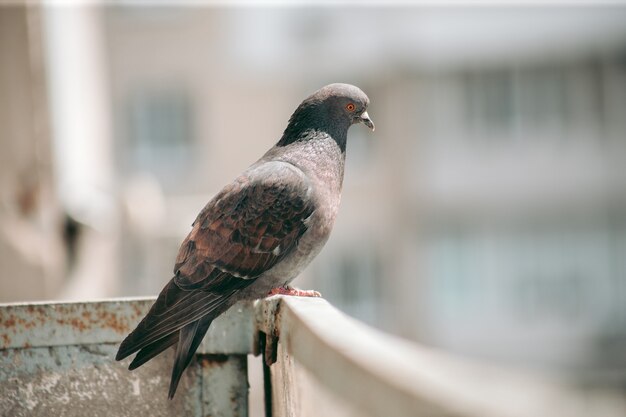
(160, 129)
(562, 272)
(489, 101)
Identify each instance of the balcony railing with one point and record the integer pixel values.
(57, 360)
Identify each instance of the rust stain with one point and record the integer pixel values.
(113, 322)
(78, 324)
(211, 361)
(41, 316)
(15, 323)
(138, 311)
(10, 322)
(82, 318)
(28, 324)
(68, 317)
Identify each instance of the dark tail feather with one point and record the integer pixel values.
(152, 350)
(190, 337)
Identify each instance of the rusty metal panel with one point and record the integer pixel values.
(60, 324)
(58, 359)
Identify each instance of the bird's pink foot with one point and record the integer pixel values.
(287, 290)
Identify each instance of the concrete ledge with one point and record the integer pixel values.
(376, 374)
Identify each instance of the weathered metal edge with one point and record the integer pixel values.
(41, 324)
(26, 325)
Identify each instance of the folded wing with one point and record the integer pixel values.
(244, 231)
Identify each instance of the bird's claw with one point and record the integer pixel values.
(287, 290)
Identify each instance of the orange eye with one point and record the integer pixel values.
(350, 107)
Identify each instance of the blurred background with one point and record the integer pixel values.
(486, 215)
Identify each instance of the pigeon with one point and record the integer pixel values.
(258, 233)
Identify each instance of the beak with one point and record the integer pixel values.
(365, 119)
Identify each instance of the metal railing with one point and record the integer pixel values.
(57, 359)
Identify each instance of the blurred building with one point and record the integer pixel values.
(32, 257)
(486, 215)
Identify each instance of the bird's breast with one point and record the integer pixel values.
(322, 163)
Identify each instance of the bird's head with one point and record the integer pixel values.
(344, 102)
(331, 109)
